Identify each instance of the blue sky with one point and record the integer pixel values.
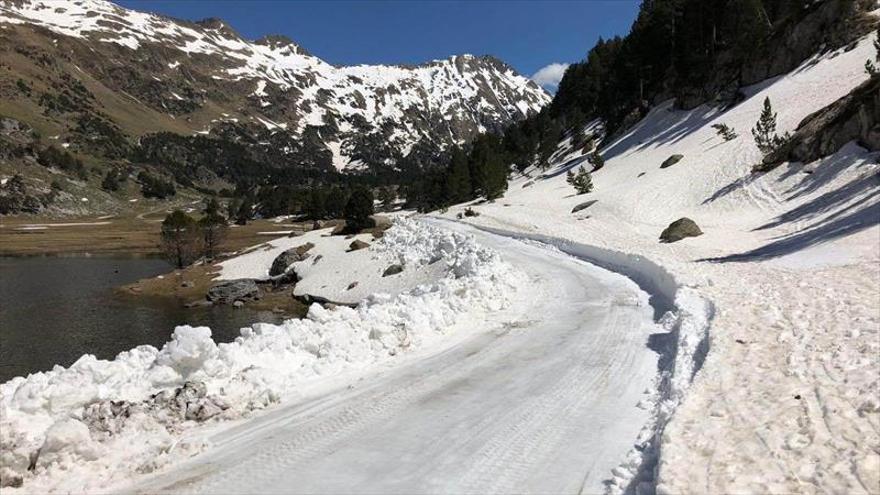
(529, 35)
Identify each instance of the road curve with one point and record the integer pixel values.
(541, 404)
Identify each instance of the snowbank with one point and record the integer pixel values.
(87, 426)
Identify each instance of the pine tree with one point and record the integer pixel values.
(387, 197)
(496, 178)
(359, 209)
(179, 237)
(315, 205)
(213, 228)
(550, 137)
(245, 212)
(764, 131)
(111, 181)
(582, 181)
(726, 132)
(488, 169)
(459, 178)
(596, 160)
(578, 137)
(232, 207)
(870, 67)
(335, 203)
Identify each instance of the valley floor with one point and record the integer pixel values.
(126, 233)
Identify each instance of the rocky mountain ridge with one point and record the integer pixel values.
(98, 78)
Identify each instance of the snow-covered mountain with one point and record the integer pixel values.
(148, 73)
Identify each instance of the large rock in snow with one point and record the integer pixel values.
(583, 206)
(392, 270)
(229, 291)
(284, 260)
(358, 244)
(679, 229)
(672, 160)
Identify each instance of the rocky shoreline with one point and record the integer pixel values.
(198, 285)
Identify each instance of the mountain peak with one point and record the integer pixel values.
(204, 72)
(280, 41)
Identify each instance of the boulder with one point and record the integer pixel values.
(352, 285)
(288, 277)
(679, 229)
(583, 206)
(283, 261)
(392, 270)
(672, 160)
(358, 244)
(229, 291)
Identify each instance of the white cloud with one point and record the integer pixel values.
(549, 76)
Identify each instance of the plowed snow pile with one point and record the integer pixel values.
(787, 398)
(82, 428)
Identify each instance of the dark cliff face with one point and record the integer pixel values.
(101, 78)
(821, 26)
(702, 52)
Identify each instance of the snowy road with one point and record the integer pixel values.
(541, 400)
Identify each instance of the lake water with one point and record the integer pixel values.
(55, 309)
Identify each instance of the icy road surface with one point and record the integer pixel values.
(543, 404)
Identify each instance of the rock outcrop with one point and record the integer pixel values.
(855, 117)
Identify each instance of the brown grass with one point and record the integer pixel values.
(136, 235)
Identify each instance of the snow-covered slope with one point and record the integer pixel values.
(786, 400)
(278, 84)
